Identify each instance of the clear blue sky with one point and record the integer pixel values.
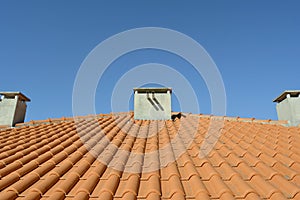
(255, 44)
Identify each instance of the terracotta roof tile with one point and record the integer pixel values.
(172, 188)
(216, 187)
(150, 185)
(266, 171)
(288, 189)
(226, 172)
(239, 187)
(115, 157)
(245, 171)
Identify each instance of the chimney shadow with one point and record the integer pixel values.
(158, 104)
(153, 104)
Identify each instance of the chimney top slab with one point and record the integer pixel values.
(283, 96)
(21, 96)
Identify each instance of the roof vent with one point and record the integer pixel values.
(12, 108)
(152, 103)
(288, 106)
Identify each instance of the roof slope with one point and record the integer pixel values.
(50, 160)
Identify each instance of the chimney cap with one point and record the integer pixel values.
(152, 89)
(13, 94)
(292, 93)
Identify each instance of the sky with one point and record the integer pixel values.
(254, 44)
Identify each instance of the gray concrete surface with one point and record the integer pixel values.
(152, 103)
(288, 107)
(12, 108)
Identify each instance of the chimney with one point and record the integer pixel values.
(288, 107)
(12, 108)
(152, 103)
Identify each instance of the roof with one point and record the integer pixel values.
(83, 158)
(292, 93)
(152, 89)
(13, 94)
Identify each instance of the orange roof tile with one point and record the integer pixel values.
(112, 156)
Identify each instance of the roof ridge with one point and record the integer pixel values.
(284, 123)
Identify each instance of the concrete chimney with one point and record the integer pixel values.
(288, 107)
(152, 103)
(12, 108)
